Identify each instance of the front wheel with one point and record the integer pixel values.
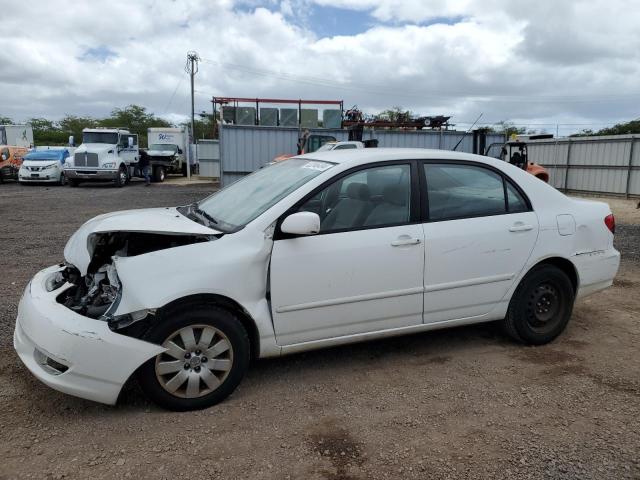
(122, 178)
(62, 181)
(73, 182)
(540, 307)
(159, 174)
(207, 354)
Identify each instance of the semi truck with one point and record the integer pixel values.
(168, 146)
(113, 154)
(106, 154)
(16, 135)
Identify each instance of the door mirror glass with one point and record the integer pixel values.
(301, 223)
(130, 142)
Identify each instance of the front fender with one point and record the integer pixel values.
(234, 266)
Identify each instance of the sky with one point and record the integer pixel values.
(535, 63)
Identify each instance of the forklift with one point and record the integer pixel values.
(513, 151)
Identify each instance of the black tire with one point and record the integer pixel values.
(122, 178)
(73, 182)
(159, 174)
(184, 169)
(540, 307)
(63, 180)
(221, 320)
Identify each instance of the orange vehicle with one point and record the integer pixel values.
(515, 152)
(10, 161)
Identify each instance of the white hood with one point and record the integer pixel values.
(95, 147)
(152, 220)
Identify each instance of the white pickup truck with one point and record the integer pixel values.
(106, 154)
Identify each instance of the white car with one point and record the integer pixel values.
(318, 250)
(44, 166)
(329, 146)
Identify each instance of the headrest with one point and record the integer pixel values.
(395, 194)
(358, 191)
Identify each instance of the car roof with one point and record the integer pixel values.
(367, 155)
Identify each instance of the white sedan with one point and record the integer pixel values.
(319, 250)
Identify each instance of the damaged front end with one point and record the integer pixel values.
(97, 293)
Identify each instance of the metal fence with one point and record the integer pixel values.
(604, 165)
(209, 158)
(244, 149)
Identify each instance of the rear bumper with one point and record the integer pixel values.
(596, 270)
(71, 353)
(89, 174)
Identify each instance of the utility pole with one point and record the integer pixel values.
(192, 68)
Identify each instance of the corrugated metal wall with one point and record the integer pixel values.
(245, 149)
(209, 158)
(607, 165)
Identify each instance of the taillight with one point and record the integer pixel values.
(610, 222)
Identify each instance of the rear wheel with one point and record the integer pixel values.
(207, 355)
(541, 306)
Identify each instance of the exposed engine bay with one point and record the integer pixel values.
(93, 294)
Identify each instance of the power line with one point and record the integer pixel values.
(175, 90)
(380, 89)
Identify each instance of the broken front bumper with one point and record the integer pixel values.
(72, 353)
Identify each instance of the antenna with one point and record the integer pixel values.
(467, 132)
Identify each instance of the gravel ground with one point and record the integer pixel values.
(460, 403)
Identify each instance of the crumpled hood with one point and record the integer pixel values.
(160, 153)
(77, 252)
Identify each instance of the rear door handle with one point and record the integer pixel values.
(405, 240)
(520, 228)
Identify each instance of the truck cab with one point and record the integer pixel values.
(106, 154)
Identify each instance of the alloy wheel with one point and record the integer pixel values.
(197, 361)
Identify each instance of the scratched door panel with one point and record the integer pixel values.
(471, 263)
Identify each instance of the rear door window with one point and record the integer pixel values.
(461, 191)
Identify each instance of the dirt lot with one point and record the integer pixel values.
(462, 403)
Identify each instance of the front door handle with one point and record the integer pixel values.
(405, 240)
(520, 228)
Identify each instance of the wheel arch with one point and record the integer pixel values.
(223, 302)
(563, 264)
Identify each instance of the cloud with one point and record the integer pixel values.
(544, 61)
(99, 54)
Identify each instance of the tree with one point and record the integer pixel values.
(134, 118)
(5, 120)
(507, 129)
(73, 125)
(395, 114)
(625, 128)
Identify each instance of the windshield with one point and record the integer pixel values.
(326, 147)
(44, 156)
(239, 203)
(100, 137)
(165, 147)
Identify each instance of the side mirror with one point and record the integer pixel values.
(301, 223)
(179, 151)
(130, 141)
(71, 140)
